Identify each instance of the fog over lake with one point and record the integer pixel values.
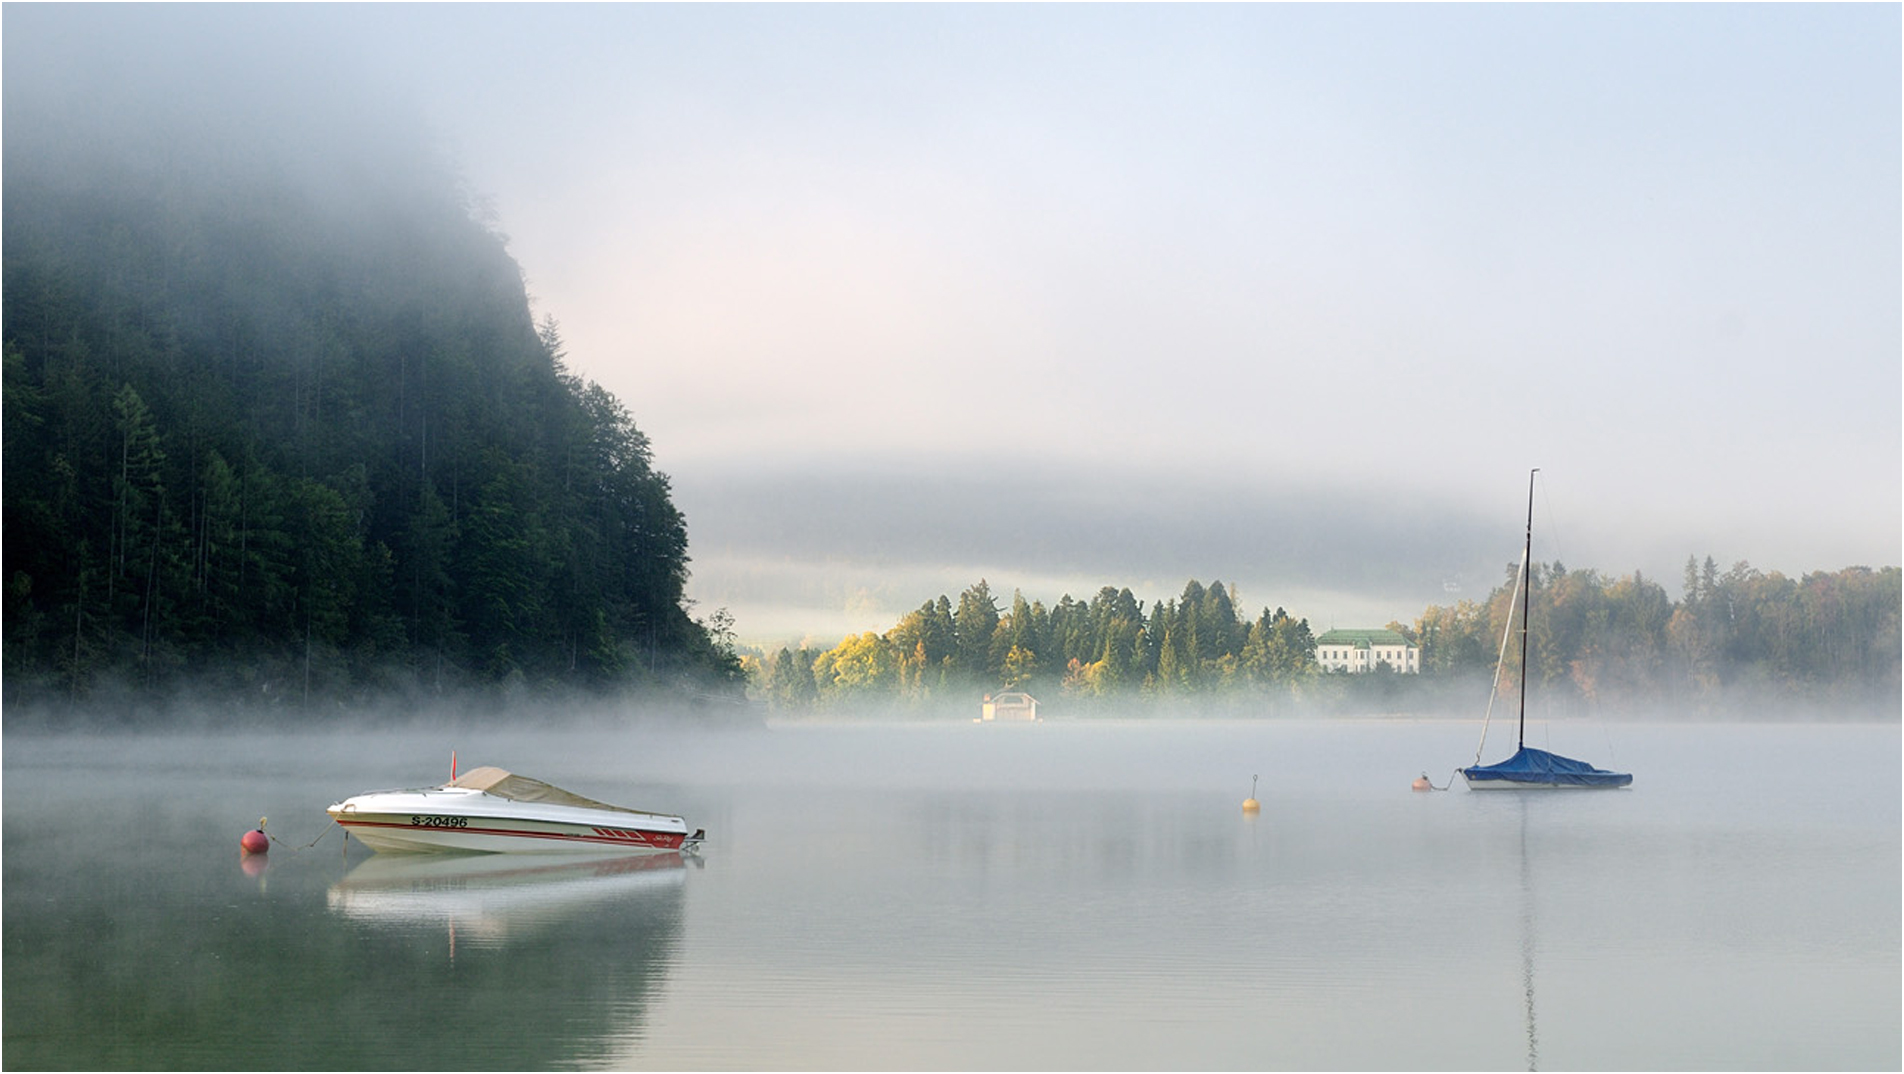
(1056, 895)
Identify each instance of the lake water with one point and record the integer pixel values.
(1058, 896)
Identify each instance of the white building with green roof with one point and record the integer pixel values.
(1366, 650)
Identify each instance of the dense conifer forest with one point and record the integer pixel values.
(1739, 644)
(280, 431)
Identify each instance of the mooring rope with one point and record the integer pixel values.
(309, 845)
(1500, 662)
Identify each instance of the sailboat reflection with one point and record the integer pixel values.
(1527, 943)
(489, 897)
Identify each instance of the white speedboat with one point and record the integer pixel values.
(489, 810)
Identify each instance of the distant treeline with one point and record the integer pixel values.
(1825, 638)
(285, 444)
(1828, 638)
(1107, 647)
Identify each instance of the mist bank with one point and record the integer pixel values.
(281, 432)
(1741, 644)
(469, 715)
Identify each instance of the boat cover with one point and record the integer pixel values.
(1529, 765)
(505, 784)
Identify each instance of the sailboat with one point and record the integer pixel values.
(1529, 768)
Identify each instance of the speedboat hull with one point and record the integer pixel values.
(464, 818)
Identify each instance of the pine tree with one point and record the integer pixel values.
(973, 626)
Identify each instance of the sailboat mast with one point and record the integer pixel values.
(1527, 593)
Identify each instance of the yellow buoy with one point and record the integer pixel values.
(1250, 804)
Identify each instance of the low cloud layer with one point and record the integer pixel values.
(861, 547)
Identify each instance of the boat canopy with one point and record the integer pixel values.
(1529, 765)
(505, 784)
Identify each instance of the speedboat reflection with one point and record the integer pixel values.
(494, 896)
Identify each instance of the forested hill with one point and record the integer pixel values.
(279, 428)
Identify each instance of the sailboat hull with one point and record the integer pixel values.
(1537, 770)
(1620, 779)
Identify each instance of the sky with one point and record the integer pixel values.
(1287, 296)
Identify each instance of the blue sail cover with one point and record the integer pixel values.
(1538, 768)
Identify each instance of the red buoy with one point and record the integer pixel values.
(1421, 783)
(255, 841)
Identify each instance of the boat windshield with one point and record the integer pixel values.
(505, 784)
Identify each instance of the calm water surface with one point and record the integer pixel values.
(1061, 895)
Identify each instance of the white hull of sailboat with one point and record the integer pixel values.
(1516, 785)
